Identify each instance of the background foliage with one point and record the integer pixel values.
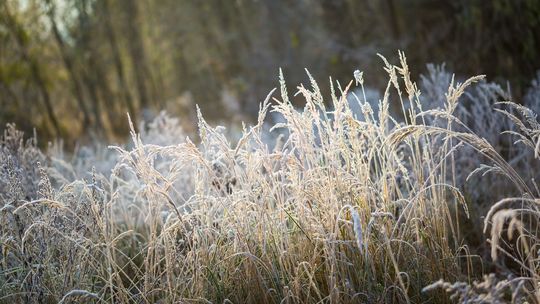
(74, 67)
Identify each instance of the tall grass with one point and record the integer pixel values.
(343, 207)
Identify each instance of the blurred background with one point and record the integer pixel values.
(73, 68)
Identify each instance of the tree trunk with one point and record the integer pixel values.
(18, 31)
(77, 89)
(128, 99)
(137, 53)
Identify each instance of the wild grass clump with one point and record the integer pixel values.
(342, 207)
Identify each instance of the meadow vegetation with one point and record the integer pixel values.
(437, 201)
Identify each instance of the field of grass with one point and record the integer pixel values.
(425, 197)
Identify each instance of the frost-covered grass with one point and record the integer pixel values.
(367, 206)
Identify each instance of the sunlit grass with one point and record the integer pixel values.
(345, 208)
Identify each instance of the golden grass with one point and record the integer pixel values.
(346, 209)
